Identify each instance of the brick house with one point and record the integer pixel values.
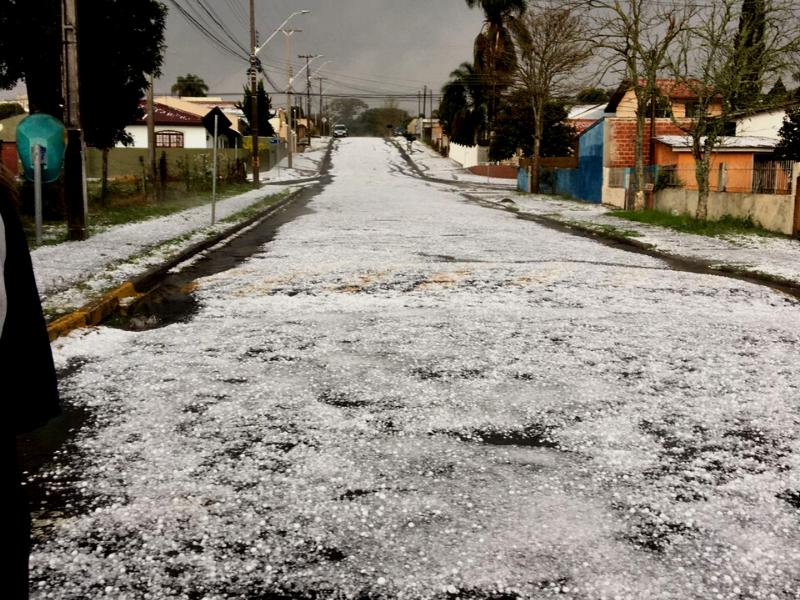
(620, 132)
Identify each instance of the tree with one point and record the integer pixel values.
(748, 52)
(190, 85)
(777, 95)
(592, 96)
(120, 42)
(375, 121)
(494, 49)
(347, 110)
(636, 37)
(551, 45)
(709, 64)
(462, 110)
(789, 145)
(513, 132)
(10, 109)
(264, 109)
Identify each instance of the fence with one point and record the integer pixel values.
(764, 177)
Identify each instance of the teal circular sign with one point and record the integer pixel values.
(50, 135)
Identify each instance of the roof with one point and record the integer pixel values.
(587, 112)
(682, 143)
(167, 115)
(201, 106)
(668, 87)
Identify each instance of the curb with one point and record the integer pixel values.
(783, 284)
(98, 310)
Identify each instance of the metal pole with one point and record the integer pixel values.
(37, 188)
(74, 171)
(254, 96)
(214, 175)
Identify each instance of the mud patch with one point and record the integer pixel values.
(340, 399)
(531, 436)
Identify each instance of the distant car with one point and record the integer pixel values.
(339, 131)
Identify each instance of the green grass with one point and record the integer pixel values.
(256, 208)
(687, 224)
(127, 205)
(131, 209)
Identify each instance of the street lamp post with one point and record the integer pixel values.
(253, 82)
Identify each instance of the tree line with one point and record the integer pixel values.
(530, 59)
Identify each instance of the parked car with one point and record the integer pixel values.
(339, 130)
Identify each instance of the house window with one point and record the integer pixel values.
(169, 139)
(662, 108)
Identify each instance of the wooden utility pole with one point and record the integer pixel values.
(74, 166)
(308, 58)
(151, 137)
(254, 96)
(319, 116)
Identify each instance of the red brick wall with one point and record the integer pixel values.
(622, 140)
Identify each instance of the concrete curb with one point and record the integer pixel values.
(98, 310)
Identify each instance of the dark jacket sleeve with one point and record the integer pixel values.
(29, 390)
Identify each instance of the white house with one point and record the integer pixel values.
(175, 128)
(766, 123)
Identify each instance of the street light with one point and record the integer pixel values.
(253, 83)
(280, 28)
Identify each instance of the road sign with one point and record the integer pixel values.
(223, 122)
(49, 134)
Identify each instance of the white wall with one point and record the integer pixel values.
(763, 124)
(194, 136)
(469, 156)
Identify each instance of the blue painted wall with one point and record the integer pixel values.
(585, 182)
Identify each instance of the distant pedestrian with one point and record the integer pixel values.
(27, 384)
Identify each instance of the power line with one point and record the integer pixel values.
(206, 32)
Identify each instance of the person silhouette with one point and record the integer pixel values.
(29, 388)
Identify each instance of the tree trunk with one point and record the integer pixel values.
(638, 151)
(104, 180)
(702, 169)
(536, 165)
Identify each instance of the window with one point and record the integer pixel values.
(169, 139)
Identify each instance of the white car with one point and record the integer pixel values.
(339, 131)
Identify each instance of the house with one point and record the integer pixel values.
(676, 102)
(738, 164)
(764, 123)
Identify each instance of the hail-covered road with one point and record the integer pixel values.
(407, 395)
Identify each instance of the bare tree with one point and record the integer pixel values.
(709, 62)
(635, 37)
(551, 46)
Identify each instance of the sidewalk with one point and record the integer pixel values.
(771, 259)
(72, 275)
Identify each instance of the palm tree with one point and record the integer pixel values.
(190, 85)
(462, 110)
(494, 48)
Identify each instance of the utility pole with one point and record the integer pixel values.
(319, 117)
(254, 96)
(74, 165)
(289, 132)
(308, 58)
(151, 134)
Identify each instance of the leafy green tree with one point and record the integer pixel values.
(789, 145)
(375, 121)
(347, 110)
(494, 56)
(264, 109)
(462, 110)
(592, 96)
(190, 85)
(748, 54)
(778, 94)
(10, 109)
(514, 130)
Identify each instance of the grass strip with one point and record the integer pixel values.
(688, 224)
